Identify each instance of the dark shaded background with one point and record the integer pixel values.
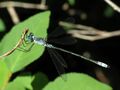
(106, 50)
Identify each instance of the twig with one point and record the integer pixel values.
(104, 35)
(20, 42)
(13, 14)
(87, 32)
(10, 5)
(77, 26)
(41, 6)
(113, 5)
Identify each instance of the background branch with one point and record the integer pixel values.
(113, 5)
(87, 32)
(10, 5)
(40, 6)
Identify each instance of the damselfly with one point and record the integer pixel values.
(58, 60)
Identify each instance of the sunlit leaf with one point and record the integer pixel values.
(76, 81)
(29, 82)
(36, 24)
(15, 86)
(22, 81)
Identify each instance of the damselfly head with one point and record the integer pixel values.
(30, 37)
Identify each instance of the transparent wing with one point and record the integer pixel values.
(60, 36)
(58, 62)
(59, 31)
(63, 40)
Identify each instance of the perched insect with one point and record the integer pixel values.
(57, 58)
(59, 62)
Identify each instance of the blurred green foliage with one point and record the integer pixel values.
(71, 2)
(109, 12)
(2, 25)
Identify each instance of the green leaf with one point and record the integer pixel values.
(109, 12)
(2, 25)
(40, 80)
(21, 82)
(4, 74)
(76, 81)
(71, 2)
(15, 86)
(36, 24)
(29, 82)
